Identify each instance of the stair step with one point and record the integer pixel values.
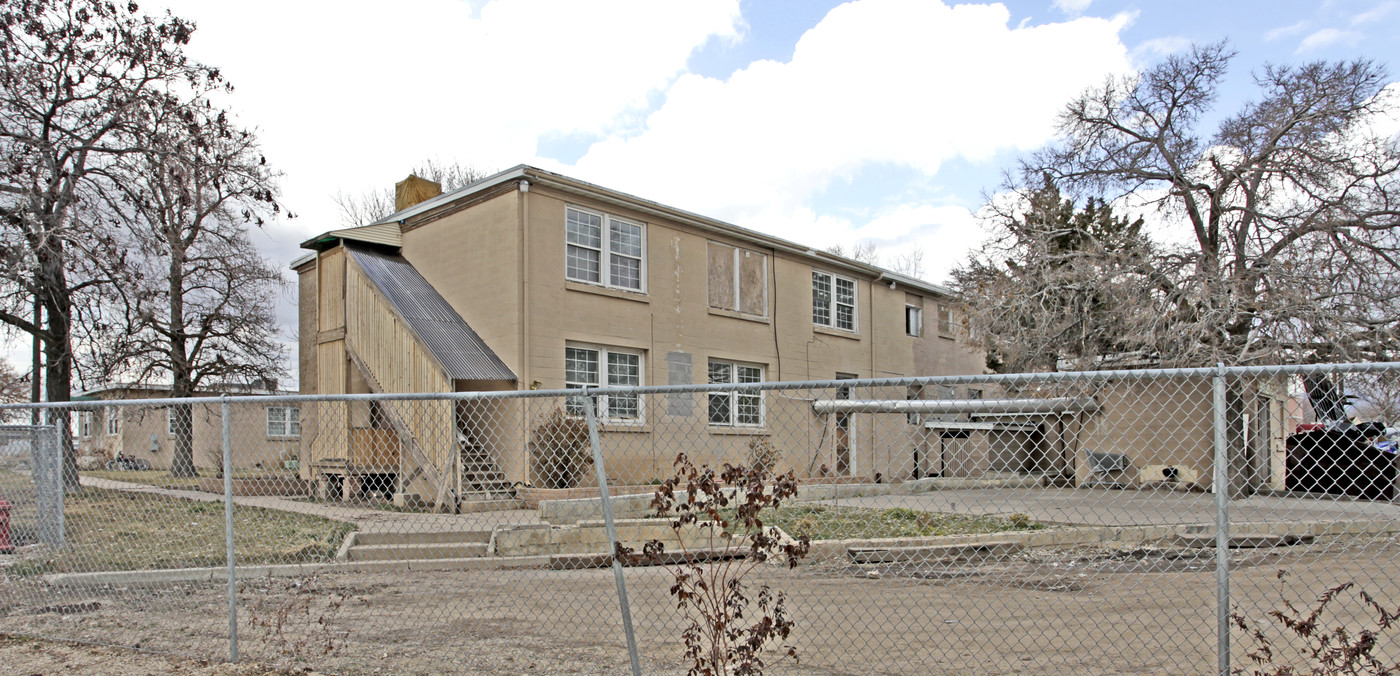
(979, 551)
(422, 538)
(451, 550)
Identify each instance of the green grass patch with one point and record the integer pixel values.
(821, 522)
(113, 530)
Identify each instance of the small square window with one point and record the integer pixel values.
(283, 421)
(738, 409)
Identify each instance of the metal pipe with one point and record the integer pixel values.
(228, 533)
(592, 419)
(1002, 406)
(1222, 526)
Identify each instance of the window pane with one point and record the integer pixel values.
(719, 408)
(624, 406)
(625, 272)
(575, 405)
(750, 374)
(750, 407)
(580, 367)
(721, 372)
(624, 369)
(584, 228)
(845, 291)
(845, 317)
(821, 299)
(626, 239)
(582, 264)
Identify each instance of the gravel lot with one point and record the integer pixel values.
(1085, 610)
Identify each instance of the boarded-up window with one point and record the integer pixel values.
(738, 279)
(945, 321)
(722, 277)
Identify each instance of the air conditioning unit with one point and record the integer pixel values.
(1167, 474)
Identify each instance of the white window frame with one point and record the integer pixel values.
(913, 320)
(605, 251)
(111, 420)
(832, 307)
(602, 360)
(85, 424)
(733, 399)
(288, 427)
(170, 421)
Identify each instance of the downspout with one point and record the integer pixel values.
(524, 262)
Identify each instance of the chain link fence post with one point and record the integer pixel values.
(1222, 524)
(591, 414)
(228, 531)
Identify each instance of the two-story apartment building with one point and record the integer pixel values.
(533, 280)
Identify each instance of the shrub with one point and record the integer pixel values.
(727, 509)
(763, 455)
(1318, 650)
(560, 453)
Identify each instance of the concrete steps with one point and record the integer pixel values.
(428, 545)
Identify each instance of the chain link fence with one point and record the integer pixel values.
(1159, 521)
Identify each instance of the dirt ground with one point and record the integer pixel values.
(1101, 610)
(40, 657)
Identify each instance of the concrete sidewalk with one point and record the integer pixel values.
(365, 519)
(1111, 507)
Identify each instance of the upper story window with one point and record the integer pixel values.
(945, 321)
(738, 279)
(597, 366)
(913, 320)
(833, 301)
(283, 421)
(113, 418)
(604, 250)
(741, 409)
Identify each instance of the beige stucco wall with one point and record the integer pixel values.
(143, 434)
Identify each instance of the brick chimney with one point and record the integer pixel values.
(413, 190)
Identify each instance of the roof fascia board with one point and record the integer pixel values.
(583, 188)
(516, 172)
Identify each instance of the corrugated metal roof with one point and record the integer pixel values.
(462, 353)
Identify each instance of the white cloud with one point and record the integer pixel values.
(1375, 13)
(352, 97)
(1149, 51)
(1285, 31)
(894, 83)
(1327, 37)
(1072, 7)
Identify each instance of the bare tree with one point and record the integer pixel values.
(196, 307)
(1279, 237)
(908, 261)
(861, 252)
(73, 76)
(371, 206)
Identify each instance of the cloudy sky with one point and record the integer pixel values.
(826, 123)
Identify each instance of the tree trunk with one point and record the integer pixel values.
(182, 424)
(58, 369)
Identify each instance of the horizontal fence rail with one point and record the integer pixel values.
(1165, 521)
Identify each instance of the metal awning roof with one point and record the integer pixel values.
(461, 352)
(1049, 405)
(981, 425)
